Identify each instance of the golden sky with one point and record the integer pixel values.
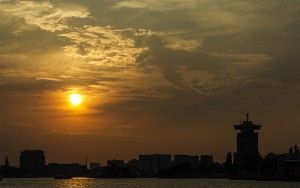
(156, 76)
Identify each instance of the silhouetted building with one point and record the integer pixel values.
(247, 145)
(206, 165)
(133, 162)
(115, 163)
(285, 166)
(151, 165)
(32, 162)
(114, 169)
(228, 165)
(6, 168)
(207, 159)
(8, 171)
(95, 166)
(133, 167)
(186, 159)
(289, 164)
(71, 169)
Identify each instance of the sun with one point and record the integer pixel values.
(75, 99)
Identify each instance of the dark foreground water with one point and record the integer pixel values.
(142, 183)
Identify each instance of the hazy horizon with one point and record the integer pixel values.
(154, 76)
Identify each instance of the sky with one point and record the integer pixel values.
(156, 76)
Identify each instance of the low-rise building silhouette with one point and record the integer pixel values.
(95, 166)
(185, 159)
(115, 163)
(32, 162)
(70, 169)
(151, 165)
(206, 159)
(8, 171)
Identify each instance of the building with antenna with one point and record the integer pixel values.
(247, 145)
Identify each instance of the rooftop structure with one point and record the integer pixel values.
(247, 126)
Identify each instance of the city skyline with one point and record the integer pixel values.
(113, 79)
(245, 163)
(241, 147)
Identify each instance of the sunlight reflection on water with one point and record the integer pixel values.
(140, 183)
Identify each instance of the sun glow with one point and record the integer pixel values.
(75, 99)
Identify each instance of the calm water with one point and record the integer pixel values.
(142, 183)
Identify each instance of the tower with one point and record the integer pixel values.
(247, 145)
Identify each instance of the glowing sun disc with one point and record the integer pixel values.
(75, 99)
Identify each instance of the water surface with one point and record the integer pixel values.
(142, 183)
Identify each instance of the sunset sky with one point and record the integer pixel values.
(155, 76)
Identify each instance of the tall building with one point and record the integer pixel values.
(247, 145)
(32, 162)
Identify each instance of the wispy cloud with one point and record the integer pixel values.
(43, 14)
(101, 46)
